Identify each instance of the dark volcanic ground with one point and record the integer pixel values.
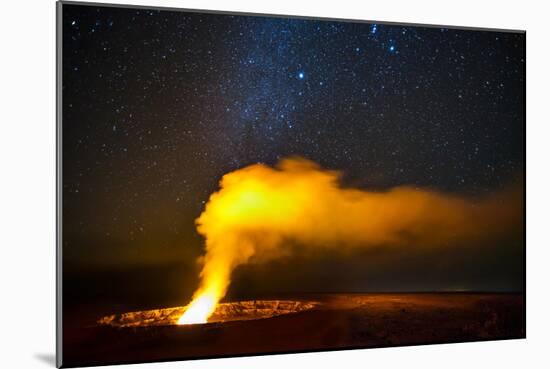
(339, 321)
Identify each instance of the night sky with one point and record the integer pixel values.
(158, 105)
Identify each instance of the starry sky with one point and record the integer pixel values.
(158, 105)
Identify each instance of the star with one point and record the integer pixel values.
(301, 75)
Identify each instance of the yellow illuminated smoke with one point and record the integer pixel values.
(260, 210)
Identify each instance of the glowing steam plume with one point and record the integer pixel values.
(260, 210)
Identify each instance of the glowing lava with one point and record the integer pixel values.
(224, 312)
(198, 311)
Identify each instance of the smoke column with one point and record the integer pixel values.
(259, 209)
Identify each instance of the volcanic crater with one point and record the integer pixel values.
(225, 312)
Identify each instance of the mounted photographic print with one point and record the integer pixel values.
(240, 184)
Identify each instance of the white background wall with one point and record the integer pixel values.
(27, 192)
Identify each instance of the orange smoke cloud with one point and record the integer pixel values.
(260, 210)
